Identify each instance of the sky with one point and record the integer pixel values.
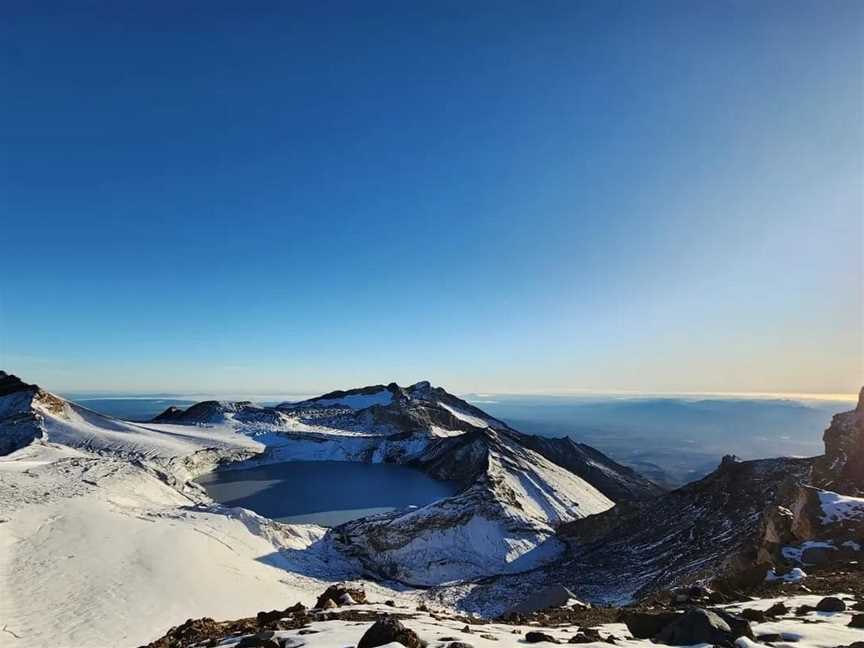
(494, 196)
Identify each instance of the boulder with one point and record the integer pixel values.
(857, 621)
(647, 625)
(739, 625)
(757, 616)
(537, 637)
(389, 630)
(831, 604)
(697, 626)
(341, 594)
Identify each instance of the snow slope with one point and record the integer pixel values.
(94, 551)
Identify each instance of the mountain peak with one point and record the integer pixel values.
(10, 384)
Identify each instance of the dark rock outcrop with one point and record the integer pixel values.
(10, 384)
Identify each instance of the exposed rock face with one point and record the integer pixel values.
(732, 527)
(841, 469)
(698, 531)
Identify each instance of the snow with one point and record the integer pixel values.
(467, 418)
(444, 432)
(358, 401)
(836, 507)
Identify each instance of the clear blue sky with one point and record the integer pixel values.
(497, 196)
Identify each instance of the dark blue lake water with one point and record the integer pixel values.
(324, 492)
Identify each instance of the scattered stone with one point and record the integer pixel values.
(422, 608)
(778, 609)
(390, 603)
(466, 629)
(459, 644)
(307, 631)
(388, 630)
(447, 639)
(537, 637)
(857, 621)
(831, 604)
(492, 637)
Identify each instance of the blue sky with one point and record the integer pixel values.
(550, 196)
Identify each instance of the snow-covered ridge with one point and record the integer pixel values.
(100, 502)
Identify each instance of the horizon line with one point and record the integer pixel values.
(273, 395)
